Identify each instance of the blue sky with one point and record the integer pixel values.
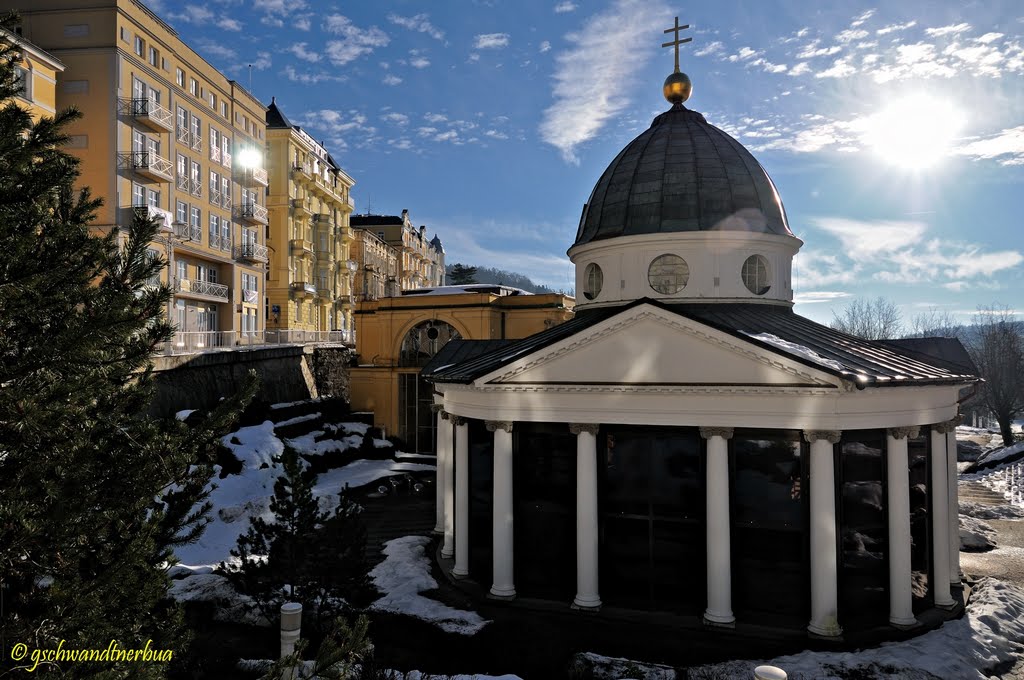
(894, 131)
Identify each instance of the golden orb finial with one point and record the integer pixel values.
(677, 88)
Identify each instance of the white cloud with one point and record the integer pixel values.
(988, 38)
(744, 54)
(229, 24)
(419, 62)
(840, 69)
(486, 41)
(815, 296)
(448, 136)
(892, 28)
(300, 51)
(419, 23)
(193, 14)
(262, 61)
(355, 42)
(851, 34)
(303, 23)
(712, 48)
(800, 69)
(308, 77)
(1009, 142)
(862, 18)
(865, 240)
(435, 118)
(947, 30)
(605, 54)
(216, 49)
(391, 79)
(566, 6)
(545, 46)
(811, 50)
(396, 118)
(426, 131)
(495, 134)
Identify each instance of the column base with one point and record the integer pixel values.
(437, 532)
(459, 574)
(717, 620)
(501, 593)
(447, 553)
(587, 603)
(947, 606)
(904, 624)
(825, 631)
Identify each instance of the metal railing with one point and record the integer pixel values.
(225, 201)
(150, 163)
(196, 186)
(253, 211)
(251, 251)
(184, 136)
(217, 290)
(274, 337)
(194, 342)
(215, 153)
(215, 196)
(214, 240)
(197, 141)
(227, 159)
(147, 110)
(183, 183)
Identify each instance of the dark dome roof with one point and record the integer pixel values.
(682, 174)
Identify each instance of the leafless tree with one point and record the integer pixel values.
(935, 323)
(876, 319)
(996, 344)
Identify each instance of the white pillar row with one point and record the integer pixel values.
(719, 556)
(587, 596)
(901, 613)
(461, 568)
(953, 477)
(439, 449)
(941, 517)
(503, 585)
(448, 430)
(824, 557)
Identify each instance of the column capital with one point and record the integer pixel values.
(493, 425)
(908, 432)
(445, 415)
(709, 432)
(456, 420)
(589, 428)
(947, 425)
(436, 408)
(831, 436)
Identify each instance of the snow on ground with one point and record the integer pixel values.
(308, 444)
(230, 605)
(358, 473)
(997, 455)
(184, 414)
(982, 511)
(298, 419)
(263, 665)
(403, 575)
(986, 640)
(976, 535)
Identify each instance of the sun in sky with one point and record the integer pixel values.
(914, 132)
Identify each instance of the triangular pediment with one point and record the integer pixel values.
(648, 345)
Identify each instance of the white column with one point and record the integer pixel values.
(901, 612)
(939, 581)
(503, 585)
(461, 568)
(439, 448)
(824, 560)
(587, 596)
(953, 478)
(448, 545)
(719, 611)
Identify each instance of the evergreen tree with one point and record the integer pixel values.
(304, 555)
(93, 495)
(461, 275)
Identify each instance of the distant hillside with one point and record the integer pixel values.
(500, 276)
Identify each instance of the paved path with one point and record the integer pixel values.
(1006, 562)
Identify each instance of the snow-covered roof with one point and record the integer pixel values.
(492, 288)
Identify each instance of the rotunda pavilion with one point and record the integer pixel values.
(688, 443)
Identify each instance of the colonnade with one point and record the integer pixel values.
(452, 520)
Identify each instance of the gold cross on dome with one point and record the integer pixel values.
(677, 42)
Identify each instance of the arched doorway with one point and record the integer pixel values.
(415, 395)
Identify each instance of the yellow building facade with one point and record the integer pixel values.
(376, 273)
(310, 284)
(165, 133)
(396, 336)
(37, 72)
(420, 260)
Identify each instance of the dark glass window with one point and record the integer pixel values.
(652, 518)
(424, 340)
(417, 423)
(920, 524)
(769, 538)
(544, 484)
(863, 530)
(481, 507)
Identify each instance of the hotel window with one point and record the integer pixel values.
(182, 169)
(214, 188)
(179, 77)
(197, 223)
(214, 230)
(225, 143)
(225, 234)
(138, 195)
(139, 46)
(225, 191)
(193, 87)
(154, 199)
(182, 270)
(138, 142)
(164, 65)
(182, 212)
(153, 255)
(197, 130)
(124, 34)
(214, 144)
(154, 57)
(224, 109)
(249, 237)
(197, 179)
(182, 124)
(212, 98)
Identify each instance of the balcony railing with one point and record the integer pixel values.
(250, 177)
(215, 196)
(197, 141)
(225, 201)
(196, 188)
(251, 252)
(193, 342)
(227, 159)
(195, 233)
(183, 183)
(148, 164)
(253, 212)
(215, 153)
(147, 112)
(215, 290)
(162, 217)
(303, 288)
(184, 136)
(215, 240)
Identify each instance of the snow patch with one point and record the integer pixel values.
(798, 350)
(976, 535)
(230, 605)
(982, 511)
(403, 575)
(184, 414)
(298, 419)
